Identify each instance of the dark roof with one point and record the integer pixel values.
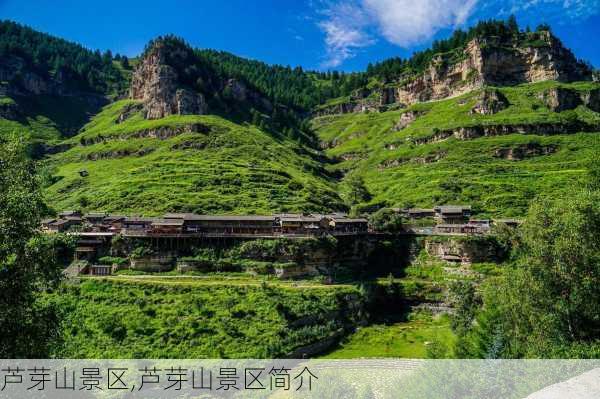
(168, 222)
(183, 216)
(137, 219)
(231, 218)
(48, 221)
(310, 219)
(345, 220)
(95, 215)
(452, 208)
(420, 210)
(59, 222)
(111, 218)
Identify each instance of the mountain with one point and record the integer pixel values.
(492, 116)
(493, 122)
(49, 87)
(183, 141)
(490, 54)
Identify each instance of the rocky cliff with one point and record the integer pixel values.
(19, 79)
(487, 62)
(22, 80)
(483, 62)
(172, 79)
(158, 85)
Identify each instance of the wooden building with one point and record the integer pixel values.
(452, 214)
(301, 224)
(225, 224)
(167, 226)
(61, 225)
(416, 213)
(348, 225)
(114, 223)
(137, 224)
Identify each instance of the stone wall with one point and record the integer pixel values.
(465, 250)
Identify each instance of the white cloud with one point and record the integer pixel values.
(349, 26)
(345, 30)
(355, 24)
(406, 22)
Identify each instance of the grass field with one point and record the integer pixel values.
(409, 339)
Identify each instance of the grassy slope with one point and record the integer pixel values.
(414, 334)
(468, 172)
(172, 320)
(45, 117)
(231, 169)
(404, 340)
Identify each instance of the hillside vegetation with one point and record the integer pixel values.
(425, 163)
(177, 320)
(196, 163)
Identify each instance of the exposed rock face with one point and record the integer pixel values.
(487, 63)
(19, 79)
(473, 132)
(22, 81)
(241, 93)
(442, 80)
(161, 133)
(524, 151)
(157, 84)
(128, 111)
(561, 99)
(484, 62)
(591, 100)
(466, 252)
(406, 119)
(490, 102)
(362, 100)
(238, 89)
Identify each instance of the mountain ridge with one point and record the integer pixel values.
(208, 132)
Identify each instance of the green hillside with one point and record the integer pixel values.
(189, 319)
(46, 119)
(203, 164)
(419, 166)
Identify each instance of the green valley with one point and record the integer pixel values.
(190, 203)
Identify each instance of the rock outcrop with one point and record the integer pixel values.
(160, 133)
(473, 132)
(490, 102)
(560, 99)
(361, 100)
(486, 62)
(525, 151)
(406, 119)
(157, 84)
(172, 80)
(483, 62)
(463, 251)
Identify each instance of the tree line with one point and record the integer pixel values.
(52, 57)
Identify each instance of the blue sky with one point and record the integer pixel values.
(316, 34)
